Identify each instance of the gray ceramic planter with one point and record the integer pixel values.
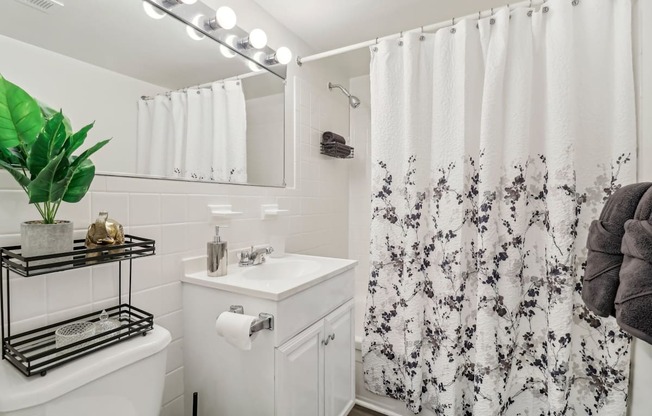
(38, 239)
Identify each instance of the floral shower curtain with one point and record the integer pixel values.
(494, 144)
(200, 133)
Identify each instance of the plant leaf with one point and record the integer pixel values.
(8, 156)
(43, 186)
(87, 153)
(49, 112)
(20, 116)
(80, 182)
(16, 173)
(48, 144)
(77, 139)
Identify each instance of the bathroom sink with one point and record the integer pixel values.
(276, 279)
(281, 269)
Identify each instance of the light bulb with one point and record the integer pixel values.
(226, 18)
(253, 66)
(152, 11)
(192, 32)
(259, 57)
(283, 55)
(258, 38)
(225, 51)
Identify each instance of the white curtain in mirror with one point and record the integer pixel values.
(200, 133)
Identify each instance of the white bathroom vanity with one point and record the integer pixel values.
(303, 366)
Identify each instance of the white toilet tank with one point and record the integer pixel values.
(122, 380)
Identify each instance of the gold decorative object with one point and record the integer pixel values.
(104, 232)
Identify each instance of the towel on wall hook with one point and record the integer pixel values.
(634, 298)
(604, 258)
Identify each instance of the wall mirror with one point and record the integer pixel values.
(178, 104)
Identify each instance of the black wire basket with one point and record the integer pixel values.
(337, 150)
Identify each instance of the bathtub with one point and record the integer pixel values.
(380, 404)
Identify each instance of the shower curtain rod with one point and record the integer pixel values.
(204, 86)
(429, 28)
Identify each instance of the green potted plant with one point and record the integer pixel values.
(36, 148)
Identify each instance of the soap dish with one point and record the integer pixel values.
(71, 333)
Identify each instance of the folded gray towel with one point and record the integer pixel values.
(604, 259)
(634, 298)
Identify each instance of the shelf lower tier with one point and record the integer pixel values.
(34, 352)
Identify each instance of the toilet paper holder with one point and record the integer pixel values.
(264, 321)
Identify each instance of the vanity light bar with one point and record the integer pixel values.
(203, 21)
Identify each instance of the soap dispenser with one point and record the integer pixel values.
(217, 256)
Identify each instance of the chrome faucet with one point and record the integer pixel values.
(254, 257)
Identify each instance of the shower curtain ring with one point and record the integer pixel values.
(422, 37)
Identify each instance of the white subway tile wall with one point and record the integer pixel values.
(360, 195)
(176, 215)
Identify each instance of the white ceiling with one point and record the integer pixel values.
(330, 24)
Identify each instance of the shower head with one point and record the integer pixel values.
(354, 101)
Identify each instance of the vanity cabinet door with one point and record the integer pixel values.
(339, 361)
(300, 374)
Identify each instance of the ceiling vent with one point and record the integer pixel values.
(45, 6)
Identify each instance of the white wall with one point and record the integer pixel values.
(86, 93)
(360, 194)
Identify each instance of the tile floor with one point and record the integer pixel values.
(361, 411)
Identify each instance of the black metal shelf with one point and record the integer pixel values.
(34, 352)
(337, 150)
(80, 257)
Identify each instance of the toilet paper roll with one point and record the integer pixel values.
(234, 327)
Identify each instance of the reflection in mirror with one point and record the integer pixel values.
(215, 132)
(176, 107)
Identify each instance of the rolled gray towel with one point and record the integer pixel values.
(634, 298)
(329, 136)
(604, 259)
